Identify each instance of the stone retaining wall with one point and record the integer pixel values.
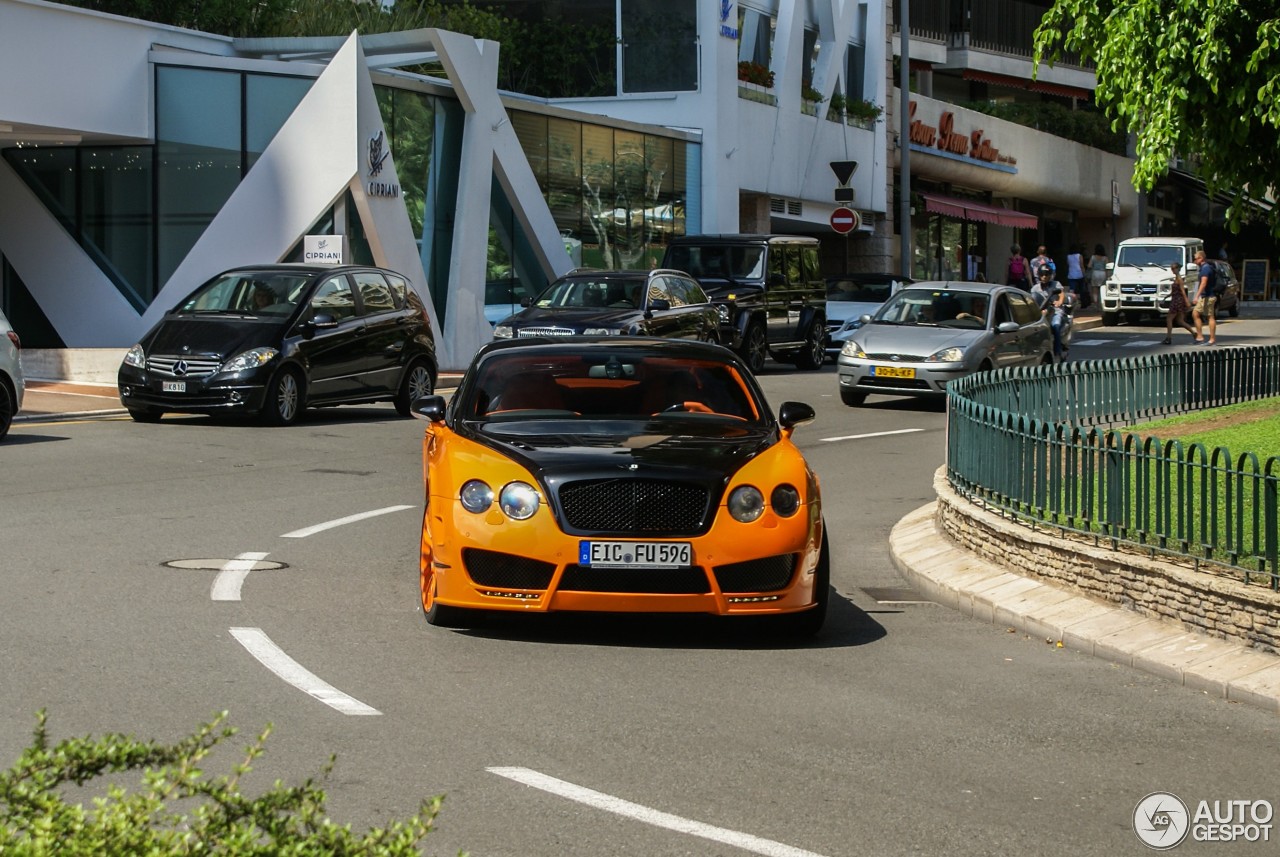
(1160, 587)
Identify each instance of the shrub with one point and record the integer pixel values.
(36, 818)
(866, 110)
(753, 72)
(808, 93)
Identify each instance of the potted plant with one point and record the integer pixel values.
(754, 82)
(809, 100)
(835, 106)
(863, 113)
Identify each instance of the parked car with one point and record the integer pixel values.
(768, 289)
(503, 298)
(272, 340)
(1139, 282)
(931, 333)
(850, 297)
(12, 384)
(618, 474)
(610, 303)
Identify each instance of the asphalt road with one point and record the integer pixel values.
(902, 729)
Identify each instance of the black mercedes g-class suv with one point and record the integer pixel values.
(768, 289)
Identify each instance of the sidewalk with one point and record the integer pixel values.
(961, 580)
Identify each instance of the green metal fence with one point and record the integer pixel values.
(1049, 444)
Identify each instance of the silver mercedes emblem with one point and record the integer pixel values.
(180, 368)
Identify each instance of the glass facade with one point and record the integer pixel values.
(659, 46)
(617, 196)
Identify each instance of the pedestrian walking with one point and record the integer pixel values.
(1206, 300)
(1019, 269)
(1075, 276)
(1042, 259)
(1178, 305)
(1097, 272)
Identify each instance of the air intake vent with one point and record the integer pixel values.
(793, 207)
(777, 206)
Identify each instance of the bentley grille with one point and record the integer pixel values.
(635, 506)
(506, 571)
(757, 575)
(656, 581)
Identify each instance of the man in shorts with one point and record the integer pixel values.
(1205, 300)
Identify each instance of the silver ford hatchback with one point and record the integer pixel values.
(11, 382)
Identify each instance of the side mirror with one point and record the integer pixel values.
(526, 302)
(323, 321)
(864, 319)
(1111, 266)
(792, 414)
(429, 408)
(1007, 327)
(659, 304)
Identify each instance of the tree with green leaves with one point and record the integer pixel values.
(1198, 79)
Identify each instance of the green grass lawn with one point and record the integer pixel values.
(1246, 427)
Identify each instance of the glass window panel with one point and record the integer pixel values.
(688, 189)
(412, 132)
(531, 131)
(51, 173)
(115, 190)
(334, 297)
(375, 294)
(659, 46)
(598, 201)
(269, 101)
(631, 198)
(564, 174)
(659, 215)
(198, 156)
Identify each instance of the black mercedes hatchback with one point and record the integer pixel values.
(273, 340)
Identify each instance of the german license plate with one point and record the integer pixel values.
(635, 554)
(893, 371)
(173, 386)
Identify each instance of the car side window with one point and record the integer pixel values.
(794, 273)
(695, 293)
(399, 288)
(1002, 313)
(335, 298)
(375, 294)
(777, 267)
(810, 268)
(1025, 310)
(659, 290)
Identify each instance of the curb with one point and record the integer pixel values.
(982, 590)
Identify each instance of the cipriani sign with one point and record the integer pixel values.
(378, 152)
(944, 137)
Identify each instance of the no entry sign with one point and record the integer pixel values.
(845, 220)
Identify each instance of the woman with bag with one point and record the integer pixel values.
(1097, 272)
(1019, 269)
(1178, 306)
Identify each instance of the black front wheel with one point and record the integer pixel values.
(755, 348)
(415, 384)
(8, 407)
(814, 351)
(284, 403)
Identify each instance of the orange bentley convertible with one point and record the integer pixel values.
(618, 475)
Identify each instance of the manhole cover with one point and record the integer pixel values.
(220, 564)
(895, 595)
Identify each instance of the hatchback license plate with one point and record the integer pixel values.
(635, 554)
(173, 386)
(893, 371)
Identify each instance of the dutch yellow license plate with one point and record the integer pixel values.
(893, 371)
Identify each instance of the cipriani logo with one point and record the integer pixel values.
(378, 154)
(726, 10)
(1161, 820)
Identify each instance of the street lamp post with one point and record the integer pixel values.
(904, 133)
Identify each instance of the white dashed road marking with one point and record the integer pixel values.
(273, 658)
(648, 815)
(872, 434)
(350, 519)
(226, 586)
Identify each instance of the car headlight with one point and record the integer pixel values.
(251, 359)
(723, 311)
(475, 496)
(1165, 287)
(502, 331)
(518, 500)
(601, 331)
(746, 503)
(1113, 288)
(135, 357)
(851, 348)
(785, 500)
(953, 354)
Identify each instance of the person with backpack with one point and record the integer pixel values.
(1206, 300)
(1019, 270)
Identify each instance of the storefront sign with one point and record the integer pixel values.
(726, 15)
(946, 138)
(322, 249)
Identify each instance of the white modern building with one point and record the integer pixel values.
(137, 160)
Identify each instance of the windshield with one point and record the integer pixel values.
(718, 261)
(593, 292)
(248, 293)
(622, 385)
(936, 308)
(1145, 255)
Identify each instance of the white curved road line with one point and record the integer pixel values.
(350, 519)
(872, 434)
(657, 818)
(226, 586)
(273, 658)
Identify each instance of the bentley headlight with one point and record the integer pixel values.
(785, 500)
(746, 503)
(251, 359)
(946, 355)
(502, 331)
(136, 357)
(518, 500)
(851, 348)
(601, 331)
(475, 496)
